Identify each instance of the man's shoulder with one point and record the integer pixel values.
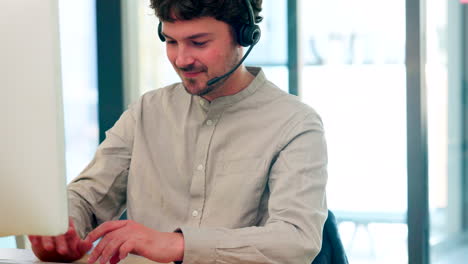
(285, 103)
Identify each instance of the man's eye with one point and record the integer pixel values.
(171, 42)
(199, 44)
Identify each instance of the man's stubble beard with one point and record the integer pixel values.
(208, 89)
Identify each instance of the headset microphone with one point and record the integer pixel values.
(217, 79)
(247, 35)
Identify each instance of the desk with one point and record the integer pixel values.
(24, 256)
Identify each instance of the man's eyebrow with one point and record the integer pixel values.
(199, 35)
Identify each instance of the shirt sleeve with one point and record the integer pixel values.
(98, 194)
(297, 209)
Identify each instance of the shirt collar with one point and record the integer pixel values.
(232, 99)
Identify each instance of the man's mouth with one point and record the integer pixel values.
(191, 74)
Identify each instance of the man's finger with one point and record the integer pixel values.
(115, 259)
(111, 249)
(103, 229)
(62, 245)
(71, 232)
(84, 246)
(48, 243)
(97, 251)
(36, 243)
(126, 248)
(34, 240)
(73, 244)
(73, 239)
(70, 222)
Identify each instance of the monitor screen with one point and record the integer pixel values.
(32, 159)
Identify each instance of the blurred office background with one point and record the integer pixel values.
(395, 123)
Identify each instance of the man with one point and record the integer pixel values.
(228, 171)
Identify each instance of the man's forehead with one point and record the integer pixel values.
(192, 36)
(192, 28)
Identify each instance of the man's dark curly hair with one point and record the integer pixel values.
(232, 12)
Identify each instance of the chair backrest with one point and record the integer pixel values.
(332, 251)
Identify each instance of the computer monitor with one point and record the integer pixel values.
(33, 197)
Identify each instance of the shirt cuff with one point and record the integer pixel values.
(199, 245)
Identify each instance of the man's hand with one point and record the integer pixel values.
(119, 238)
(64, 248)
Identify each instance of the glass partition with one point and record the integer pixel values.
(354, 76)
(79, 81)
(271, 51)
(7, 242)
(445, 130)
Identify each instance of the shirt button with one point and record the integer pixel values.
(209, 122)
(202, 103)
(195, 213)
(200, 167)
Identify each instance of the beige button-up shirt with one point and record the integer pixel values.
(243, 177)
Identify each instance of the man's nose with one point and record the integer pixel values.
(184, 58)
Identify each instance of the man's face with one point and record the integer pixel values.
(199, 50)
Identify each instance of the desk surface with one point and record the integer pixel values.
(23, 256)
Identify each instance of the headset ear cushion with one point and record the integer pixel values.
(160, 34)
(255, 34)
(248, 35)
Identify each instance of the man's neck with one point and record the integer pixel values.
(237, 82)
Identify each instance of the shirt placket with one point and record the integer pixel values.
(198, 186)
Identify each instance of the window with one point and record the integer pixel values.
(78, 57)
(146, 66)
(354, 76)
(445, 129)
(353, 73)
(7, 242)
(271, 51)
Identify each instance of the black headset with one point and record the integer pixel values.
(247, 35)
